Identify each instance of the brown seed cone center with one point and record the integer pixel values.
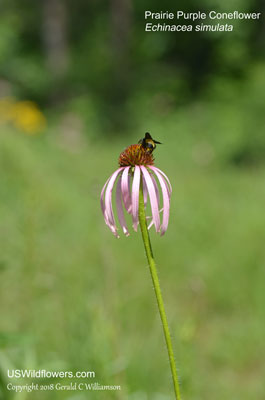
(135, 155)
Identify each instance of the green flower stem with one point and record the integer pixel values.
(153, 271)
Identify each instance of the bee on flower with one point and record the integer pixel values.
(137, 174)
(137, 181)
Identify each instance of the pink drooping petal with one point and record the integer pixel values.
(145, 193)
(103, 207)
(164, 175)
(152, 196)
(156, 188)
(108, 202)
(151, 223)
(158, 198)
(102, 200)
(166, 201)
(120, 208)
(125, 189)
(135, 196)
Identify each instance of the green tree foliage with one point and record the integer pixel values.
(97, 57)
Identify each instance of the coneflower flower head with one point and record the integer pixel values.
(136, 167)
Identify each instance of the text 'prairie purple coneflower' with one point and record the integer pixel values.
(136, 166)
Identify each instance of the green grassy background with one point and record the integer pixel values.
(73, 297)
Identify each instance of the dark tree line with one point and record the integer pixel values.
(52, 50)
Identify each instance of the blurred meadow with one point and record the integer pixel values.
(79, 82)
